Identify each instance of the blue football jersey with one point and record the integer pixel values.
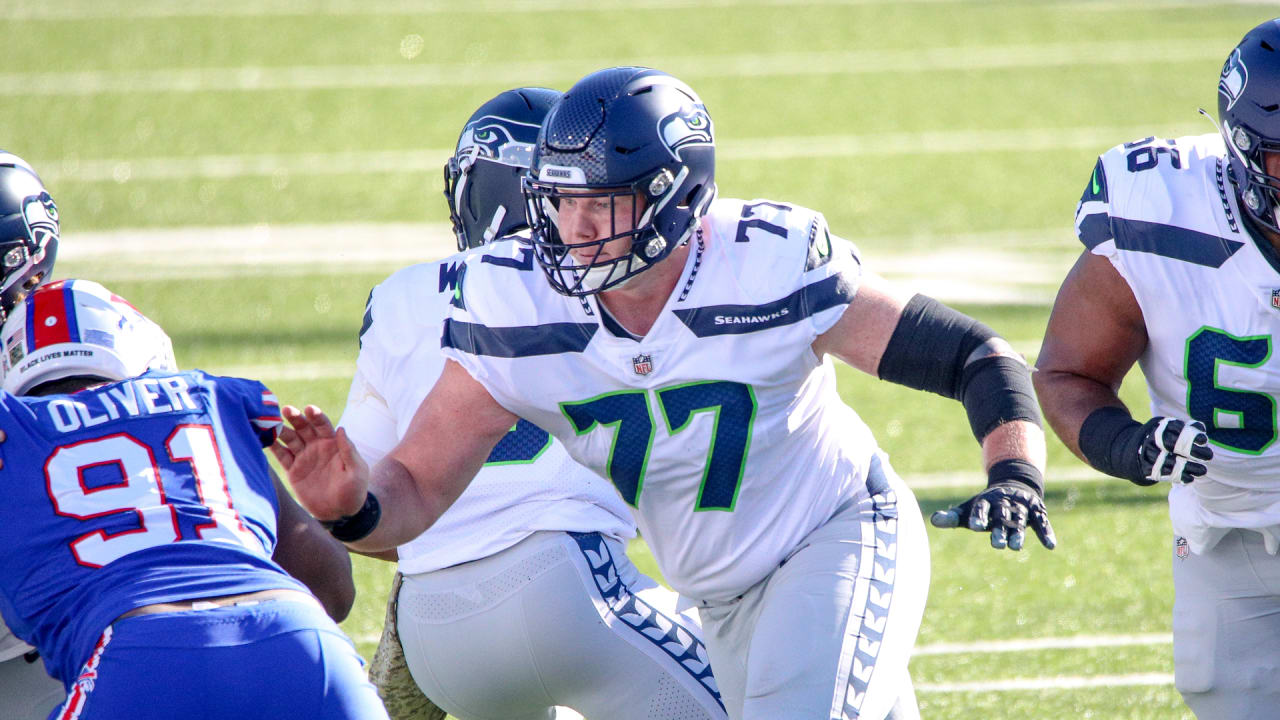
(149, 490)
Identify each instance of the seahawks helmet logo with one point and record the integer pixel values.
(1234, 77)
(41, 216)
(690, 125)
(500, 139)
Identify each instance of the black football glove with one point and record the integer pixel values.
(1172, 450)
(1013, 499)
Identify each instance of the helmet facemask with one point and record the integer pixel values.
(577, 268)
(1259, 191)
(1249, 121)
(623, 132)
(27, 254)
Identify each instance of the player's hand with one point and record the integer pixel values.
(325, 471)
(1004, 509)
(1173, 450)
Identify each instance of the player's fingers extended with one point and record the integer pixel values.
(998, 537)
(1039, 522)
(293, 442)
(347, 450)
(945, 518)
(319, 421)
(979, 514)
(283, 455)
(1016, 539)
(1004, 514)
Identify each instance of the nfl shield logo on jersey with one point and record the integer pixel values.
(1180, 547)
(642, 363)
(1275, 298)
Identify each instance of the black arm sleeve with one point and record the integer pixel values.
(933, 348)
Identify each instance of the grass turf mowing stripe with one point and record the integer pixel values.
(781, 64)
(230, 167)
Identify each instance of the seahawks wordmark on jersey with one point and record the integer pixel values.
(1165, 215)
(721, 427)
(529, 483)
(150, 490)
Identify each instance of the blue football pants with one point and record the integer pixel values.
(273, 659)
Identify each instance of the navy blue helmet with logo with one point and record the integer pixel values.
(482, 179)
(621, 132)
(28, 231)
(1249, 119)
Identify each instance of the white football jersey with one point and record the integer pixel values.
(721, 427)
(1165, 214)
(529, 483)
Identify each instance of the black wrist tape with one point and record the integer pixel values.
(1110, 439)
(1018, 471)
(355, 527)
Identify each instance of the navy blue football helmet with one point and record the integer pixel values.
(1249, 119)
(482, 179)
(624, 132)
(28, 231)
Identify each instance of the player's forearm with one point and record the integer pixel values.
(404, 512)
(1067, 399)
(1017, 440)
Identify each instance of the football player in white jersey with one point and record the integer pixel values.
(28, 247)
(680, 346)
(1181, 274)
(521, 597)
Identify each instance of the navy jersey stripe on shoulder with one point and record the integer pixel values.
(740, 319)
(516, 342)
(1094, 230)
(1172, 242)
(368, 320)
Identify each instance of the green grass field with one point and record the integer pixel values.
(948, 139)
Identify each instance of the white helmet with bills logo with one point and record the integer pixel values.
(79, 328)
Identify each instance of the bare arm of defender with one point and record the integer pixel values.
(447, 442)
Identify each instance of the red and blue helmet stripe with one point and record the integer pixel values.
(51, 316)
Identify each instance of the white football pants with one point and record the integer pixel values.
(829, 633)
(1226, 629)
(557, 619)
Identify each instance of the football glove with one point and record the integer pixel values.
(1012, 501)
(1163, 449)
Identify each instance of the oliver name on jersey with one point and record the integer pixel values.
(150, 490)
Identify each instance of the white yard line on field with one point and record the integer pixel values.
(1072, 682)
(961, 272)
(228, 167)
(1073, 642)
(780, 64)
